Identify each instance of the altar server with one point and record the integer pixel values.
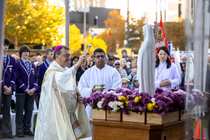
(166, 73)
(98, 74)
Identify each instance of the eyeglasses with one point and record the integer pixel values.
(135, 80)
(66, 56)
(117, 64)
(102, 56)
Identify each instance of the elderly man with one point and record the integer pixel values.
(98, 74)
(61, 116)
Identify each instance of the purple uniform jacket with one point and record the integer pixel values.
(9, 72)
(42, 69)
(26, 80)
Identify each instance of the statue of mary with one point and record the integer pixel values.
(146, 62)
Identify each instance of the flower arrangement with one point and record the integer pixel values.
(125, 100)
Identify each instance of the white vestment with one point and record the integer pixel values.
(146, 62)
(60, 116)
(107, 75)
(161, 72)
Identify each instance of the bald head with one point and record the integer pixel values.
(134, 72)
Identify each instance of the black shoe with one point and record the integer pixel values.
(20, 134)
(29, 133)
(7, 135)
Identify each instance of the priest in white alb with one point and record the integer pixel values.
(98, 74)
(61, 116)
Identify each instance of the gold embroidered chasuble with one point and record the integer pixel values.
(60, 116)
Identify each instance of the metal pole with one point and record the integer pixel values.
(84, 24)
(202, 62)
(2, 7)
(67, 21)
(128, 24)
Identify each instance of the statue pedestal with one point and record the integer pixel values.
(113, 130)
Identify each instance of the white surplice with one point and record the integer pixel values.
(171, 73)
(60, 116)
(93, 76)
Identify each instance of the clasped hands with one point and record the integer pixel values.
(30, 91)
(7, 90)
(165, 82)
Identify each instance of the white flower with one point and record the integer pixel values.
(115, 105)
(153, 100)
(99, 104)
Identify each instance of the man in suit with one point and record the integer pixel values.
(8, 82)
(27, 84)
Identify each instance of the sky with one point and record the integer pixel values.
(136, 7)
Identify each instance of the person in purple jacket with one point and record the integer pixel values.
(27, 84)
(8, 82)
(43, 67)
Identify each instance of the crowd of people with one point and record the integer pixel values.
(26, 74)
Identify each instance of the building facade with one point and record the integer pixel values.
(79, 4)
(170, 10)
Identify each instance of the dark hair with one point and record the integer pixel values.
(48, 51)
(182, 66)
(44, 57)
(24, 48)
(37, 54)
(98, 50)
(58, 51)
(124, 51)
(75, 57)
(6, 42)
(157, 62)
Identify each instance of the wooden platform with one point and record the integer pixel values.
(112, 130)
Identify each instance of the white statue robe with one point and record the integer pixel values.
(146, 62)
(171, 73)
(93, 76)
(60, 116)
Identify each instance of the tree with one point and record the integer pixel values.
(76, 40)
(96, 42)
(136, 30)
(116, 25)
(34, 21)
(175, 32)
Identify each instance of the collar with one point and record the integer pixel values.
(55, 64)
(24, 61)
(48, 62)
(162, 62)
(100, 69)
(5, 55)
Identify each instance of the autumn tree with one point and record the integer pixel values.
(76, 40)
(175, 32)
(34, 21)
(116, 25)
(136, 30)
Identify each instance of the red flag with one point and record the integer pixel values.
(164, 34)
(161, 37)
(108, 33)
